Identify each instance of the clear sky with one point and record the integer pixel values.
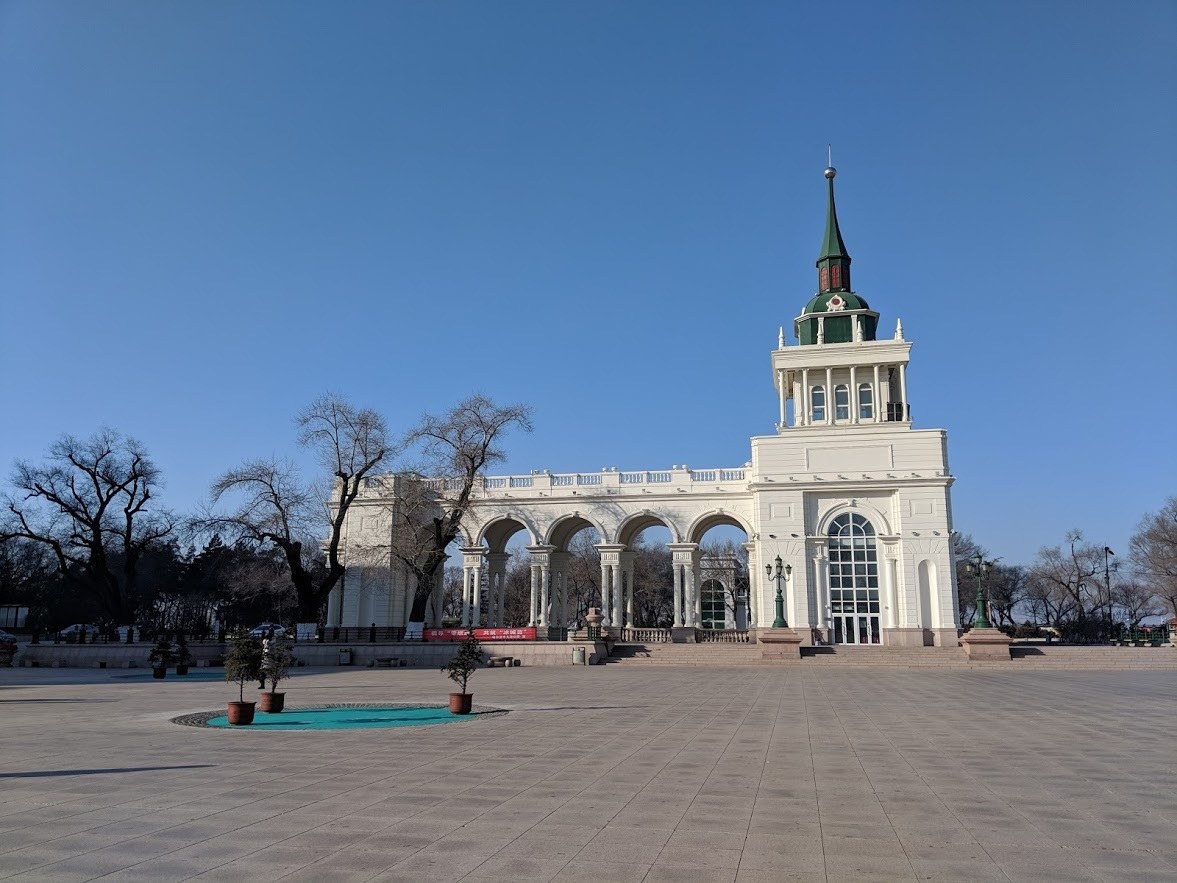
(212, 212)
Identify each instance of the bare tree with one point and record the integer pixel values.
(455, 449)
(1136, 601)
(1063, 581)
(1154, 552)
(275, 507)
(91, 505)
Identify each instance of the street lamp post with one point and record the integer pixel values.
(979, 566)
(781, 574)
(1107, 582)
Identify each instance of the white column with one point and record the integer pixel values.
(903, 389)
(754, 587)
(629, 620)
(892, 571)
(876, 396)
(544, 578)
(605, 593)
(854, 407)
(831, 405)
(534, 593)
(805, 397)
(563, 599)
(694, 602)
(677, 591)
(476, 613)
(618, 610)
(465, 597)
(780, 385)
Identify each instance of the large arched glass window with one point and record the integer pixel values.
(841, 402)
(866, 402)
(817, 406)
(854, 581)
(713, 600)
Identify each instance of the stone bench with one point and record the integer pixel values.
(496, 661)
(388, 662)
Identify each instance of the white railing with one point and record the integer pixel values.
(609, 480)
(645, 636)
(723, 636)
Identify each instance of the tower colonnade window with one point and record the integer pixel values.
(817, 410)
(866, 402)
(841, 402)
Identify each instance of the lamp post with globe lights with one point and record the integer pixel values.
(978, 566)
(781, 574)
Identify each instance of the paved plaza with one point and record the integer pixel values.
(602, 773)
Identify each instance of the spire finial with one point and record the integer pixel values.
(780, 338)
(830, 170)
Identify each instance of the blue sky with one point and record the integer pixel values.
(212, 212)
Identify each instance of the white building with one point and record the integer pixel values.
(851, 499)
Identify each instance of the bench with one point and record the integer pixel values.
(388, 662)
(505, 661)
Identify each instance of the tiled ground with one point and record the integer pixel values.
(604, 773)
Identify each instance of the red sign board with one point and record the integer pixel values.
(520, 634)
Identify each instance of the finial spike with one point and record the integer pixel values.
(899, 329)
(829, 154)
(780, 338)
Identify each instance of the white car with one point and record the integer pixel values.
(264, 629)
(73, 630)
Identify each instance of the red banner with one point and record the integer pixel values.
(520, 634)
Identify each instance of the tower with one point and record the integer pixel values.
(846, 490)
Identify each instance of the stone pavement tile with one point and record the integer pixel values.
(595, 871)
(625, 846)
(811, 860)
(517, 868)
(699, 857)
(434, 865)
(689, 839)
(1033, 872)
(961, 871)
(671, 873)
(866, 867)
(553, 832)
(540, 848)
(775, 875)
(882, 833)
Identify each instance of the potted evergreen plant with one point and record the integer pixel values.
(183, 655)
(243, 665)
(161, 656)
(277, 659)
(464, 663)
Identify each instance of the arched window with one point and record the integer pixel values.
(841, 402)
(818, 404)
(866, 402)
(836, 276)
(854, 581)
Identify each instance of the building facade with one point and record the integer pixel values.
(849, 498)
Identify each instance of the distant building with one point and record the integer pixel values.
(852, 500)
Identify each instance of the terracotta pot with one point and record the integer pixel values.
(181, 669)
(241, 713)
(159, 673)
(460, 703)
(271, 703)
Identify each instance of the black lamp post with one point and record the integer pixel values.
(781, 574)
(979, 566)
(1107, 582)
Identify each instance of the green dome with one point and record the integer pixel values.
(820, 303)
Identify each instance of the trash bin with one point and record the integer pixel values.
(578, 656)
(345, 657)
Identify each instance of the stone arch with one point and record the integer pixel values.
(499, 530)
(708, 520)
(878, 519)
(564, 528)
(633, 525)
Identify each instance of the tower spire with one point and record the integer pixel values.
(833, 266)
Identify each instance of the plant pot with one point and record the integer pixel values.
(181, 669)
(460, 703)
(271, 703)
(240, 713)
(159, 673)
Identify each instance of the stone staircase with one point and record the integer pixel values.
(1023, 657)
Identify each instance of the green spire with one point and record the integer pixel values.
(833, 267)
(832, 246)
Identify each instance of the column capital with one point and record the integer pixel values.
(472, 555)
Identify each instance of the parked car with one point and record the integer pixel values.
(7, 637)
(264, 629)
(73, 630)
